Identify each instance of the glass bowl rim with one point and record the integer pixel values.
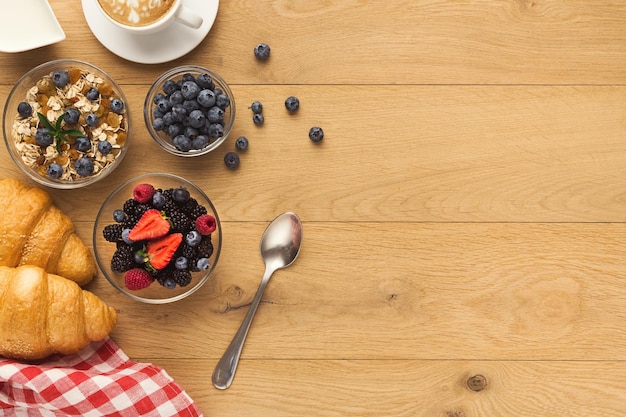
(216, 250)
(147, 115)
(56, 63)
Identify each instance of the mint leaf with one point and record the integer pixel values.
(44, 120)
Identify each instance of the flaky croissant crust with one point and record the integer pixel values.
(33, 231)
(42, 314)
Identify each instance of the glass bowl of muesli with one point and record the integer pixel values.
(66, 124)
(157, 238)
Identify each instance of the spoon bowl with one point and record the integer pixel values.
(280, 245)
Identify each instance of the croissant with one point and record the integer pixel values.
(42, 314)
(33, 231)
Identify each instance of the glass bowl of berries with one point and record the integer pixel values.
(189, 110)
(66, 124)
(157, 238)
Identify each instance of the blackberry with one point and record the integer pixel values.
(131, 220)
(189, 252)
(164, 277)
(205, 248)
(129, 205)
(190, 205)
(182, 278)
(198, 211)
(180, 221)
(123, 259)
(113, 232)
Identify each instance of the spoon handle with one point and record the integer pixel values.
(224, 372)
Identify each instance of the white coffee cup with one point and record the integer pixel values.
(148, 16)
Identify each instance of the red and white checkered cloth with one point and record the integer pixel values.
(98, 381)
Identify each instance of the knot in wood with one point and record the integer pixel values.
(477, 383)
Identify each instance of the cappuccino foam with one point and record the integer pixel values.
(136, 12)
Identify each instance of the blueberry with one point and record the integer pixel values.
(168, 119)
(55, 170)
(91, 119)
(181, 263)
(176, 98)
(140, 259)
(158, 199)
(158, 124)
(191, 132)
(258, 119)
(191, 105)
(125, 236)
(170, 86)
(292, 104)
(215, 130)
(196, 119)
(178, 113)
(105, 147)
(92, 94)
(241, 143)
(157, 97)
(206, 98)
(169, 283)
(262, 51)
(175, 129)
(200, 142)
(231, 159)
(180, 195)
(182, 143)
(43, 137)
(119, 215)
(188, 77)
(215, 115)
(157, 114)
(24, 109)
(72, 115)
(83, 144)
(202, 264)
(256, 107)
(84, 166)
(164, 105)
(222, 101)
(117, 106)
(193, 238)
(205, 81)
(60, 78)
(190, 90)
(316, 134)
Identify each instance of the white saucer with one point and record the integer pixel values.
(40, 16)
(167, 45)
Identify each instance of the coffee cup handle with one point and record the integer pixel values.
(188, 17)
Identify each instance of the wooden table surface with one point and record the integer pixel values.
(464, 248)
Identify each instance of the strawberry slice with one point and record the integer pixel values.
(161, 251)
(152, 225)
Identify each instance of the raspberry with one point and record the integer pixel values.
(143, 193)
(137, 279)
(206, 224)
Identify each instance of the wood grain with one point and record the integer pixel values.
(463, 217)
(408, 388)
(434, 153)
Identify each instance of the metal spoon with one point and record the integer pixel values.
(280, 246)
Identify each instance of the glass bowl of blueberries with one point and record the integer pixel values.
(189, 110)
(157, 238)
(66, 124)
